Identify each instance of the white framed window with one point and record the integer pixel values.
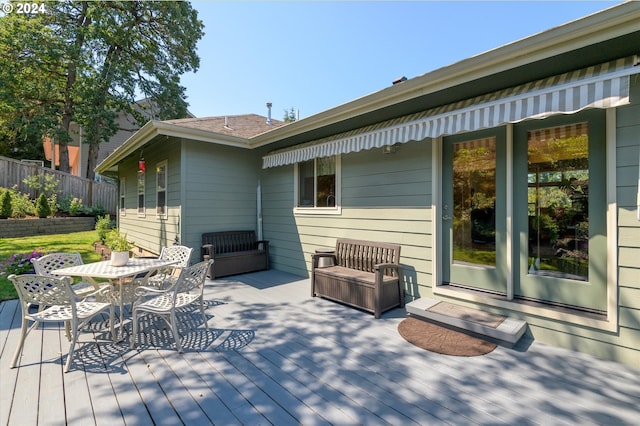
(123, 186)
(161, 189)
(317, 186)
(141, 187)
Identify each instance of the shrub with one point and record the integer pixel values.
(21, 203)
(6, 209)
(43, 209)
(103, 225)
(47, 184)
(76, 208)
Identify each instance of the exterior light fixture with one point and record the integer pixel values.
(141, 164)
(390, 149)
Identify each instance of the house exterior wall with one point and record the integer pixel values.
(149, 231)
(220, 191)
(385, 197)
(209, 188)
(389, 198)
(627, 172)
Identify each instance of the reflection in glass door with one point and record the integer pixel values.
(560, 211)
(474, 200)
(558, 200)
(473, 213)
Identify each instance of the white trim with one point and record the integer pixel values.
(509, 212)
(612, 217)
(436, 212)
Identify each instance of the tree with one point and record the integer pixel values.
(289, 116)
(99, 57)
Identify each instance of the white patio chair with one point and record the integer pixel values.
(61, 304)
(52, 261)
(168, 276)
(186, 290)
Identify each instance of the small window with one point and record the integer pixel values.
(161, 189)
(141, 185)
(317, 184)
(122, 196)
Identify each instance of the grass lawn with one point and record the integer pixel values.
(81, 242)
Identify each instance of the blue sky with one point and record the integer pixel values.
(312, 56)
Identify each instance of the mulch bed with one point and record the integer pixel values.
(442, 340)
(104, 251)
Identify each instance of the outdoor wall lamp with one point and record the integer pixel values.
(141, 164)
(390, 149)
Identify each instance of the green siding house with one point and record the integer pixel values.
(510, 179)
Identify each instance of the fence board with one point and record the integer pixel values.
(14, 172)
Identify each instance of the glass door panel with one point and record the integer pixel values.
(473, 214)
(560, 211)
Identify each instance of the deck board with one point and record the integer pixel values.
(273, 355)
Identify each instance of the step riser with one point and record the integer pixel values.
(507, 333)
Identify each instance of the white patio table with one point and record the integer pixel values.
(116, 274)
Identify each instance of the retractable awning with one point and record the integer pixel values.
(600, 86)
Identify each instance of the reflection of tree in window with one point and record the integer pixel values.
(326, 171)
(305, 183)
(474, 194)
(161, 179)
(558, 197)
(317, 182)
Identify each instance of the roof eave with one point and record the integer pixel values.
(160, 128)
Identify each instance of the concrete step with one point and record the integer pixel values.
(497, 327)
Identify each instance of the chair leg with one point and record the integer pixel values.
(134, 331)
(67, 330)
(112, 317)
(23, 336)
(72, 347)
(174, 328)
(204, 318)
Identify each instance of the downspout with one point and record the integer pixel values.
(259, 203)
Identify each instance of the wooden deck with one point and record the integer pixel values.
(276, 356)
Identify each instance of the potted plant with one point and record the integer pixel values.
(119, 247)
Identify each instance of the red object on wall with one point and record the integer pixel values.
(141, 166)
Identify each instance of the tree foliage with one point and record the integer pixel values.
(86, 62)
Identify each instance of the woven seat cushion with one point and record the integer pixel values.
(354, 275)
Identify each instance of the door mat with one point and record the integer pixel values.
(442, 340)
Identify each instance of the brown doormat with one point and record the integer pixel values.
(442, 340)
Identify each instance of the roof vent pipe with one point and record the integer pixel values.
(269, 122)
(399, 80)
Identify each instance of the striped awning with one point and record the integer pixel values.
(600, 86)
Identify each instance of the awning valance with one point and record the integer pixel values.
(600, 86)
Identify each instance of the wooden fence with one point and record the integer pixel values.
(93, 194)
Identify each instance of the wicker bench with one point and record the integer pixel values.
(234, 252)
(363, 274)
